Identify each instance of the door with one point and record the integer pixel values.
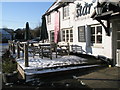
(116, 41)
(118, 45)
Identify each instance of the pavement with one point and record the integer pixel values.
(108, 77)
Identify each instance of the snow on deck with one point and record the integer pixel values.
(46, 65)
(38, 63)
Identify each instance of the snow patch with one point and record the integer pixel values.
(38, 63)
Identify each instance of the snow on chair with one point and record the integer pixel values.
(63, 48)
(76, 49)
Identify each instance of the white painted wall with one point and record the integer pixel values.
(86, 21)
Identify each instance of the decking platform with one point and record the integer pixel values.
(47, 59)
(38, 66)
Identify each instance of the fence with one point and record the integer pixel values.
(42, 48)
(16, 47)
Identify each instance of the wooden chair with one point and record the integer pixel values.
(46, 50)
(76, 48)
(34, 50)
(63, 48)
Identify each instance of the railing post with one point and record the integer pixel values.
(13, 47)
(18, 50)
(68, 48)
(9, 44)
(26, 54)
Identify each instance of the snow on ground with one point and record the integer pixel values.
(39, 63)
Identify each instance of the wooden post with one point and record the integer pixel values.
(68, 48)
(26, 54)
(56, 49)
(50, 53)
(13, 47)
(9, 45)
(42, 52)
(18, 50)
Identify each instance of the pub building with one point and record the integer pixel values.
(91, 24)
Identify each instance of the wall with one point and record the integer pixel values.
(83, 20)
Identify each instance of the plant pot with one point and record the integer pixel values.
(10, 77)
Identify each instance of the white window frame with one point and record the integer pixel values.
(66, 12)
(95, 44)
(70, 38)
(52, 37)
(49, 18)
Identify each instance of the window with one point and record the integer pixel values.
(52, 36)
(96, 34)
(65, 12)
(67, 35)
(49, 18)
(81, 34)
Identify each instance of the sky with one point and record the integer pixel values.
(16, 14)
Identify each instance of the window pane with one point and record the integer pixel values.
(118, 45)
(65, 11)
(63, 32)
(92, 30)
(63, 35)
(71, 35)
(71, 31)
(99, 39)
(99, 30)
(118, 35)
(67, 31)
(49, 18)
(92, 39)
(52, 36)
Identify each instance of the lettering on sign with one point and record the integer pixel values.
(83, 10)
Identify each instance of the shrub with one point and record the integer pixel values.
(8, 63)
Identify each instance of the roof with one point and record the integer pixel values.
(109, 9)
(58, 4)
(3, 31)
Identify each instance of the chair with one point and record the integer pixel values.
(76, 49)
(46, 50)
(34, 50)
(63, 48)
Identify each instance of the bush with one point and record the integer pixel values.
(8, 63)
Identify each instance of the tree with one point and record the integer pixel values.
(27, 32)
(19, 34)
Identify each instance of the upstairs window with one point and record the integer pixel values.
(49, 18)
(65, 12)
(96, 34)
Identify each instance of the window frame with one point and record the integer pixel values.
(79, 37)
(52, 36)
(69, 34)
(49, 18)
(66, 12)
(95, 34)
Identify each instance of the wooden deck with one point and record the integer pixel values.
(31, 65)
(38, 66)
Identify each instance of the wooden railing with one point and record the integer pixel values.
(19, 48)
(15, 48)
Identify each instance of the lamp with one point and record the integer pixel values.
(98, 9)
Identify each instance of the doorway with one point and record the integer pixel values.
(116, 41)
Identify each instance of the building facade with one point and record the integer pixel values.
(75, 25)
